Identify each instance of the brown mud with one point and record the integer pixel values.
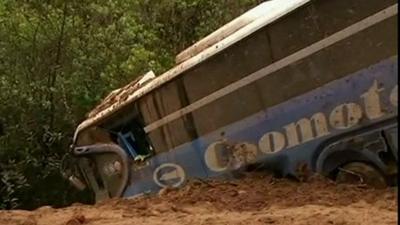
(257, 199)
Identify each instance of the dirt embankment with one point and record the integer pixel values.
(254, 200)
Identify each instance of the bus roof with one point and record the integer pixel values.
(214, 43)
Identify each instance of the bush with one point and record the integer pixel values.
(59, 58)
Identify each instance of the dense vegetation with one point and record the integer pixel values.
(58, 58)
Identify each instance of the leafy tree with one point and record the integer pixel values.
(58, 58)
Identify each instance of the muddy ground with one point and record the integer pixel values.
(255, 200)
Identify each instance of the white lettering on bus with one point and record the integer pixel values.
(372, 102)
(272, 142)
(343, 116)
(393, 96)
(306, 129)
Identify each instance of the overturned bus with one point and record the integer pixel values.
(287, 85)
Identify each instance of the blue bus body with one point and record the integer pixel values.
(192, 157)
(295, 93)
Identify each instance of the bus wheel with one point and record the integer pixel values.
(359, 172)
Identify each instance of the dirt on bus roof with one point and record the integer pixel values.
(254, 200)
(115, 96)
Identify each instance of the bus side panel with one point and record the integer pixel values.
(352, 54)
(299, 78)
(326, 85)
(277, 41)
(327, 101)
(184, 162)
(168, 169)
(317, 21)
(160, 103)
(261, 49)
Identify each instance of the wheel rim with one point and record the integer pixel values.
(361, 173)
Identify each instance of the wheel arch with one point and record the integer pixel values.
(335, 151)
(331, 159)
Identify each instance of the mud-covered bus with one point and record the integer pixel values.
(288, 86)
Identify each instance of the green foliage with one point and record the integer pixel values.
(58, 59)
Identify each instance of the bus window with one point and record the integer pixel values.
(133, 140)
(127, 141)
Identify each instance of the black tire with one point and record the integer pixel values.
(361, 173)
